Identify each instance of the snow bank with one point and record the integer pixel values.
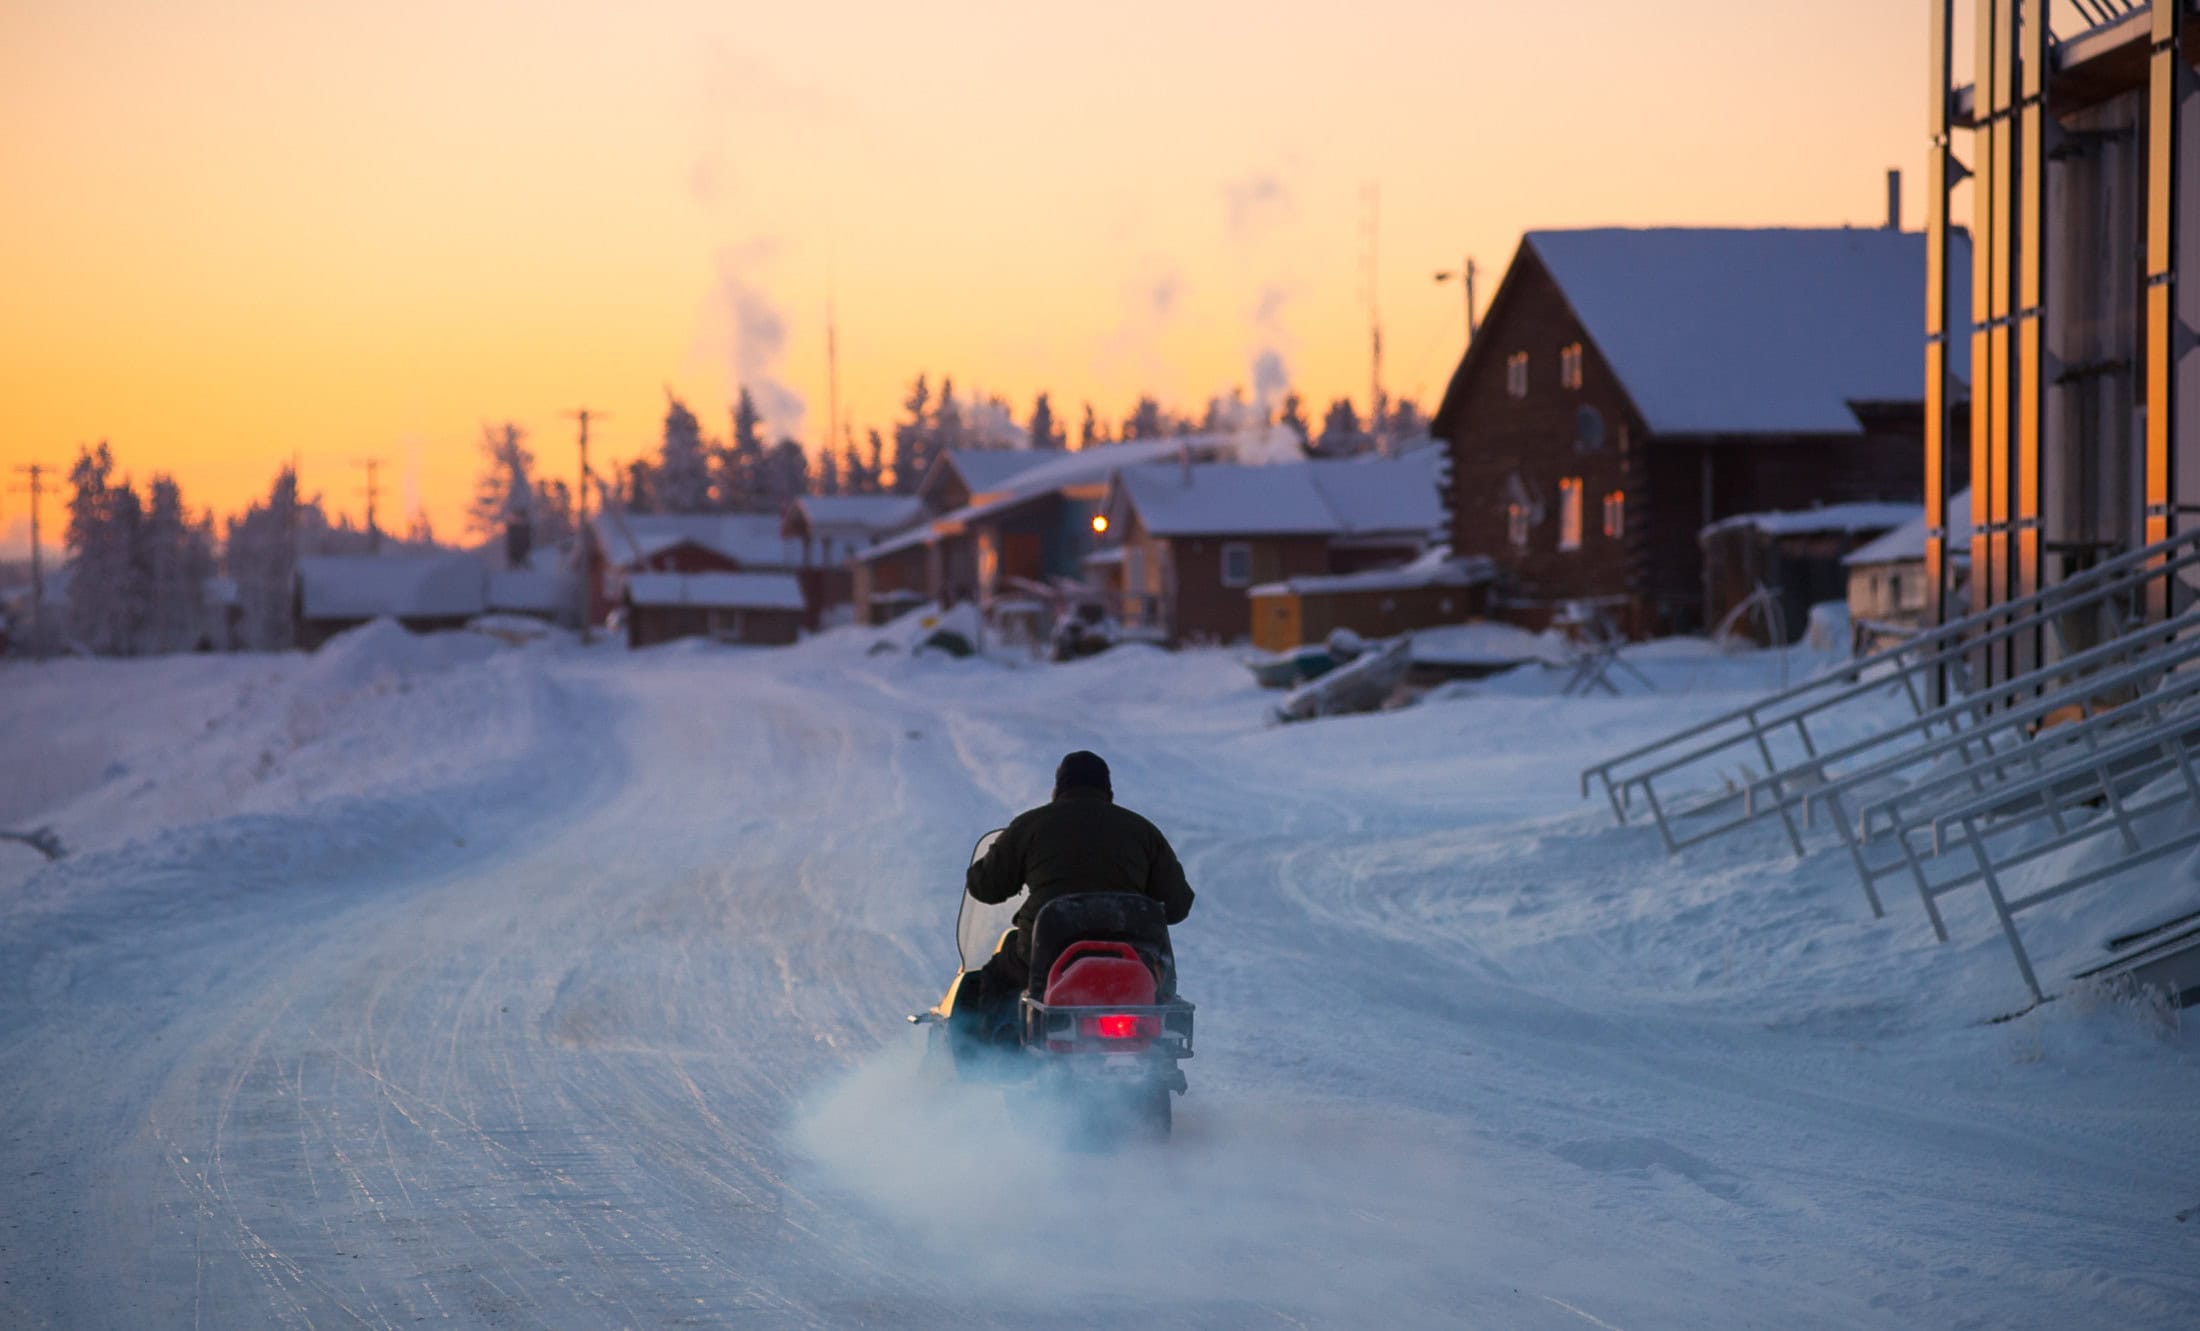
(151, 746)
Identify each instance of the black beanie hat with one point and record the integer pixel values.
(1082, 770)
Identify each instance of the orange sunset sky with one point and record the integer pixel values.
(237, 231)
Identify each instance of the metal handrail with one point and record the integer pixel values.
(1980, 707)
(2118, 768)
(1932, 649)
(1904, 812)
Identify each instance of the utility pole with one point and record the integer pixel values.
(37, 491)
(1466, 274)
(1371, 196)
(832, 375)
(374, 492)
(584, 537)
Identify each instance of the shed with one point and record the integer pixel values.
(1889, 597)
(1374, 603)
(761, 609)
(1796, 556)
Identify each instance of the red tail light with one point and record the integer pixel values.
(1120, 1026)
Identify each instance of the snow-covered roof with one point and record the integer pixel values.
(1056, 471)
(1348, 497)
(751, 539)
(1813, 521)
(539, 590)
(867, 515)
(1372, 495)
(1225, 499)
(717, 591)
(402, 586)
(1735, 331)
(985, 469)
(1906, 543)
(1435, 568)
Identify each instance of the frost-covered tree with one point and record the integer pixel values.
(1405, 420)
(504, 489)
(262, 559)
(683, 463)
(98, 554)
(1341, 433)
(638, 487)
(874, 463)
(553, 516)
(827, 480)
(1090, 433)
(783, 475)
(178, 559)
(743, 479)
(913, 440)
(948, 430)
(1293, 418)
(1045, 431)
(1145, 421)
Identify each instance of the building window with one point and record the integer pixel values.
(1569, 513)
(1237, 563)
(1909, 591)
(1516, 374)
(1569, 365)
(1615, 514)
(1516, 525)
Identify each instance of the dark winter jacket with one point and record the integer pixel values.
(1081, 842)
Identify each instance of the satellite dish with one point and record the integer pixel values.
(1588, 429)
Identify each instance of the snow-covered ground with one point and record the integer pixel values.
(428, 980)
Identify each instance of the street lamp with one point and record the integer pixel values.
(1464, 276)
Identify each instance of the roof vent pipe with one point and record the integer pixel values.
(1894, 200)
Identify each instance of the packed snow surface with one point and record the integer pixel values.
(430, 981)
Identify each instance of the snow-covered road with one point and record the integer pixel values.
(566, 989)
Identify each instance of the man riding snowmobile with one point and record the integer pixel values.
(1080, 841)
(1076, 1000)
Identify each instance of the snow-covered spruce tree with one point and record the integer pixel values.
(505, 487)
(786, 476)
(261, 558)
(743, 480)
(178, 561)
(1045, 432)
(912, 439)
(827, 479)
(108, 598)
(683, 463)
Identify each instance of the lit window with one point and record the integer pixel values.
(1516, 374)
(1516, 525)
(1569, 513)
(1615, 514)
(1237, 564)
(1569, 365)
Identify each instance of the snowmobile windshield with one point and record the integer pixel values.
(980, 927)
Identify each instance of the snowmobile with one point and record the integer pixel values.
(1099, 1028)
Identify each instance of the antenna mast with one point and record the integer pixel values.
(1371, 197)
(832, 376)
(374, 492)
